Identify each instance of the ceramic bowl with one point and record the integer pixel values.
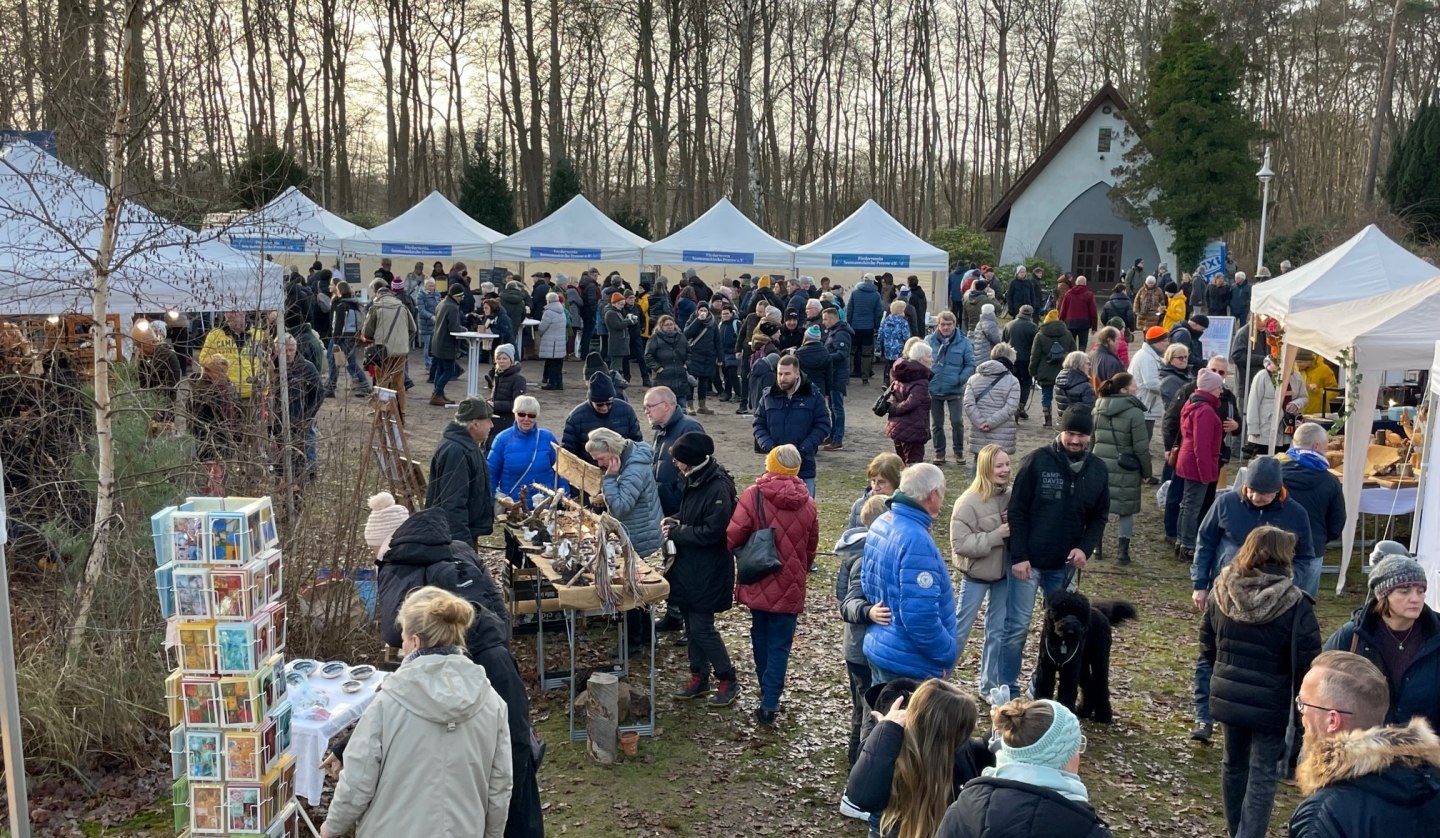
(295, 679)
(351, 686)
(333, 669)
(305, 666)
(362, 673)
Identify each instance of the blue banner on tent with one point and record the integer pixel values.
(44, 140)
(717, 257)
(565, 253)
(869, 260)
(393, 249)
(1212, 263)
(258, 243)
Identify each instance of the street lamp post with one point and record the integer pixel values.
(1266, 174)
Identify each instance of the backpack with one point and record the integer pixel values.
(1057, 352)
(351, 326)
(322, 301)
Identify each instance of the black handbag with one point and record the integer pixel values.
(882, 404)
(757, 557)
(1128, 462)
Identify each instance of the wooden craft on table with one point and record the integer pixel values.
(584, 476)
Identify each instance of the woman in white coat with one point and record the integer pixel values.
(431, 754)
(1260, 408)
(979, 531)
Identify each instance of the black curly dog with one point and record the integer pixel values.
(1075, 645)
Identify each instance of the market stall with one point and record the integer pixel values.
(577, 232)
(871, 240)
(586, 560)
(292, 224)
(1385, 332)
(1425, 535)
(723, 236)
(50, 223)
(432, 229)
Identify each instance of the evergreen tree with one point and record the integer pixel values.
(631, 219)
(1411, 187)
(260, 178)
(1192, 169)
(485, 191)
(564, 185)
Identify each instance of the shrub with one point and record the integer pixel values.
(1006, 273)
(963, 244)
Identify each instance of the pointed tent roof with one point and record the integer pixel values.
(50, 224)
(577, 232)
(292, 223)
(432, 228)
(722, 236)
(999, 216)
(871, 238)
(1366, 265)
(1390, 331)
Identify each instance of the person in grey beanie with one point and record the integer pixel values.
(1398, 632)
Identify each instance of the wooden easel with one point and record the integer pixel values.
(390, 448)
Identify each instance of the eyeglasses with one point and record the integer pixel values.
(526, 415)
(1301, 705)
(1082, 743)
(653, 405)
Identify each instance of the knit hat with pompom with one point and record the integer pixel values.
(386, 516)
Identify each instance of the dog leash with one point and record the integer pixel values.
(1058, 664)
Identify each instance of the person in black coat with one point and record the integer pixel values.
(421, 553)
(599, 410)
(1034, 790)
(459, 476)
(1188, 334)
(1360, 776)
(704, 359)
(814, 360)
(936, 715)
(702, 577)
(670, 423)
(1260, 634)
(1119, 305)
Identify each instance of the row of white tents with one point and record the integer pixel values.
(579, 232)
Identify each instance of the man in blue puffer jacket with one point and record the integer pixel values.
(904, 570)
(953, 362)
(864, 314)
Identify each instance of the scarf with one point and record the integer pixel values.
(1068, 785)
(1313, 460)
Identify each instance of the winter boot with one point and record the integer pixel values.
(725, 692)
(1124, 551)
(1021, 415)
(1048, 422)
(703, 410)
(699, 685)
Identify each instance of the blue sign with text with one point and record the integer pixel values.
(717, 257)
(1212, 263)
(574, 254)
(259, 243)
(395, 249)
(869, 260)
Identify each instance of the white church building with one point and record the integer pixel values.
(1060, 208)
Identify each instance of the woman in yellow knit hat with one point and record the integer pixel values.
(778, 501)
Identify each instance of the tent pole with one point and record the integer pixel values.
(1250, 334)
(1429, 404)
(15, 786)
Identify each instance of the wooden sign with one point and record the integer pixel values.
(582, 475)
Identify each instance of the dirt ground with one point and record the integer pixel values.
(712, 772)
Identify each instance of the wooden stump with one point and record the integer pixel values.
(603, 716)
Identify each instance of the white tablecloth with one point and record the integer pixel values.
(1378, 500)
(311, 737)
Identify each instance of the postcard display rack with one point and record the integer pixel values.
(219, 580)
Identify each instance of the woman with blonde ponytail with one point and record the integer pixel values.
(917, 758)
(431, 754)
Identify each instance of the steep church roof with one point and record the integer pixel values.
(999, 216)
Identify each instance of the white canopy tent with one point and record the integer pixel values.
(432, 229)
(722, 236)
(1390, 331)
(871, 239)
(1366, 265)
(1425, 538)
(292, 223)
(577, 232)
(50, 224)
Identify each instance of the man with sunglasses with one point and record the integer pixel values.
(600, 410)
(1361, 777)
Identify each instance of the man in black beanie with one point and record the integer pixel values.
(1057, 513)
(599, 410)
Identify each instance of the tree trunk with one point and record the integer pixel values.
(104, 521)
(1382, 108)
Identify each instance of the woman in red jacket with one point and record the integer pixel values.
(780, 501)
(1198, 459)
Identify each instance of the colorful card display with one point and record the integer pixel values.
(207, 808)
(242, 809)
(240, 703)
(192, 592)
(244, 759)
(233, 593)
(202, 754)
(200, 697)
(227, 538)
(197, 647)
(187, 536)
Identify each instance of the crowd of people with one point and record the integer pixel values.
(1134, 401)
